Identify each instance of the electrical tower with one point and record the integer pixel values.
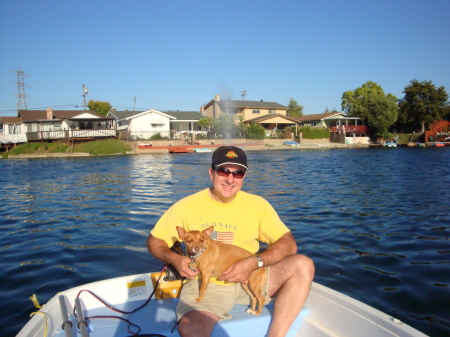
(243, 94)
(21, 98)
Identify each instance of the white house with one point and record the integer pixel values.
(142, 125)
(49, 125)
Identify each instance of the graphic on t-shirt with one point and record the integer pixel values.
(225, 237)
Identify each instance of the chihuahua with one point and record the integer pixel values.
(213, 257)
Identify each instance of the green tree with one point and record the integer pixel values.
(294, 109)
(102, 108)
(256, 131)
(207, 122)
(370, 103)
(422, 105)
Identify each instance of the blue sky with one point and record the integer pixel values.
(176, 55)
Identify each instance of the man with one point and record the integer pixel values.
(242, 219)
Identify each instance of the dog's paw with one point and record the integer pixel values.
(253, 312)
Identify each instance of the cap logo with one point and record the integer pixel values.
(231, 154)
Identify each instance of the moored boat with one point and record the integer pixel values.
(91, 310)
(202, 150)
(291, 143)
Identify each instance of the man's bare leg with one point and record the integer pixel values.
(290, 280)
(197, 324)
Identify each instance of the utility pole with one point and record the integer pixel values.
(21, 97)
(243, 94)
(85, 92)
(134, 107)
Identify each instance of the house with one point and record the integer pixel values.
(134, 125)
(49, 125)
(12, 130)
(186, 122)
(246, 110)
(274, 122)
(336, 121)
(153, 123)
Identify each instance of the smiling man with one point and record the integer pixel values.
(240, 219)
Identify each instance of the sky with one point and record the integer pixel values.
(176, 55)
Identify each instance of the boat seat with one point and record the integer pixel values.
(243, 324)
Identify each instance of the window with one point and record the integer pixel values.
(271, 112)
(14, 129)
(256, 111)
(157, 126)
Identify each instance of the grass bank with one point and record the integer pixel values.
(98, 147)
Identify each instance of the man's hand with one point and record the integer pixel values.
(239, 271)
(182, 265)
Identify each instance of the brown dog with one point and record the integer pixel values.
(213, 257)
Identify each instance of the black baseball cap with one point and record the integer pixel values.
(229, 155)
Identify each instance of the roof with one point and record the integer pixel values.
(191, 116)
(33, 115)
(11, 120)
(185, 115)
(270, 116)
(123, 114)
(230, 103)
(316, 117)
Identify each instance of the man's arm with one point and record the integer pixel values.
(241, 270)
(160, 250)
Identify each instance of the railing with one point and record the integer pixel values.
(352, 128)
(13, 138)
(70, 134)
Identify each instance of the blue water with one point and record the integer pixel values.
(375, 221)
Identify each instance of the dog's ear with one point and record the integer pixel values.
(208, 231)
(181, 232)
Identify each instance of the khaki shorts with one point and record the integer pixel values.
(218, 300)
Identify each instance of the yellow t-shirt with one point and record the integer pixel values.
(244, 222)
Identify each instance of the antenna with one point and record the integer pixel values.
(21, 97)
(134, 107)
(243, 94)
(85, 92)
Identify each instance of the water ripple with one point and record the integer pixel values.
(375, 222)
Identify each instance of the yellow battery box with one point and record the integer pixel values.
(165, 289)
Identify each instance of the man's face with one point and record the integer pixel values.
(225, 188)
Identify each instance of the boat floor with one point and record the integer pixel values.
(158, 317)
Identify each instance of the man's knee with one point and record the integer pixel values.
(197, 323)
(305, 266)
(299, 267)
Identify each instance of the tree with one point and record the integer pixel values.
(207, 122)
(422, 105)
(294, 109)
(370, 103)
(102, 108)
(256, 131)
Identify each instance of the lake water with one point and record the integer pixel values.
(375, 221)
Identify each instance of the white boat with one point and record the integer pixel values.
(291, 143)
(326, 313)
(390, 145)
(202, 150)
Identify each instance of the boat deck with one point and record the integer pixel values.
(158, 317)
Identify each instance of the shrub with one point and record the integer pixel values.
(256, 131)
(314, 133)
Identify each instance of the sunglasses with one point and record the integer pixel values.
(226, 172)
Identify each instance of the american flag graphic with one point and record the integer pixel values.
(225, 237)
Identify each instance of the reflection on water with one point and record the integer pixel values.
(375, 221)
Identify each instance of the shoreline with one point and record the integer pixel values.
(166, 150)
